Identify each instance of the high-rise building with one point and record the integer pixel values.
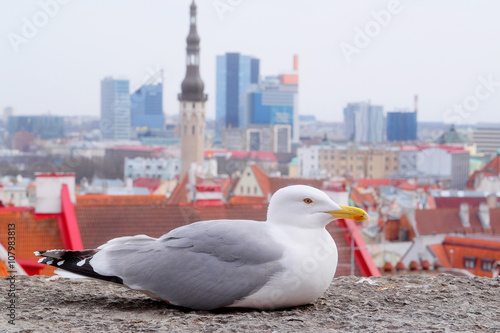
(401, 126)
(146, 106)
(192, 102)
(364, 122)
(274, 101)
(115, 109)
(234, 73)
(43, 127)
(487, 138)
(7, 112)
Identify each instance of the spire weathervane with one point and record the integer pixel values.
(192, 85)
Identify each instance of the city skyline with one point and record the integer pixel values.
(382, 51)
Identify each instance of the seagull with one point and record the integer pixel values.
(287, 261)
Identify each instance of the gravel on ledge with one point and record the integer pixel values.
(408, 303)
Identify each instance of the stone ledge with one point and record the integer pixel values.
(410, 303)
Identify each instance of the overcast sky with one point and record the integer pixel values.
(446, 51)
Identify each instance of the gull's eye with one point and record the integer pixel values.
(308, 201)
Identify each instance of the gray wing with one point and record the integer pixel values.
(205, 265)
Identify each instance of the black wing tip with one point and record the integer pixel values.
(77, 262)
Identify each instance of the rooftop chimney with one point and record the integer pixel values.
(484, 215)
(48, 191)
(295, 62)
(464, 214)
(491, 200)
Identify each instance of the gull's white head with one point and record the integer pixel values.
(308, 207)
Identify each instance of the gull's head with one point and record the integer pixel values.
(306, 206)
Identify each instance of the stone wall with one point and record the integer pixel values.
(410, 303)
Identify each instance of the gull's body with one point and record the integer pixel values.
(286, 261)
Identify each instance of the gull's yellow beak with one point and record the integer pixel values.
(348, 212)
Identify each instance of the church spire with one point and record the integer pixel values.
(192, 86)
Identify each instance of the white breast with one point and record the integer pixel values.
(310, 260)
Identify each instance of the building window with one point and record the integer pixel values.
(470, 262)
(193, 130)
(248, 189)
(193, 105)
(242, 189)
(255, 190)
(185, 129)
(332, 157)
(487, 264)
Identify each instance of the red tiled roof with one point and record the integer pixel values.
(441, 254)
(29, 233)
(454, 202)
(118, 200)
(150, 183)
(246, 200)
(454, 251)
(180, 193)
(492, 169)
(447, 220)
(471, 242)
(362, 200)
(3, 269)
(262, 179)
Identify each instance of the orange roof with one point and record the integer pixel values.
(441, 254)
(492, 169)
(245, 200)
(118, 200)
(472, 241)
(362, 200)
(262, 179)
(28, 234)
(447, 220)
(3, 269)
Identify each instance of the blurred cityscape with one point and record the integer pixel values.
(430, 188)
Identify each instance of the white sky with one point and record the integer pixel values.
(434, 48)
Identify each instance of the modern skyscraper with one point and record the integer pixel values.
(401, 126)
(115, 109)
(192, 102)
(146, 105)
(364, 122)
(235, 72)
(274, 101)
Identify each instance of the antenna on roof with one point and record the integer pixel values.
(416, 103)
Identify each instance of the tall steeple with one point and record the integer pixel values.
(192, 103)
(192, 85)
